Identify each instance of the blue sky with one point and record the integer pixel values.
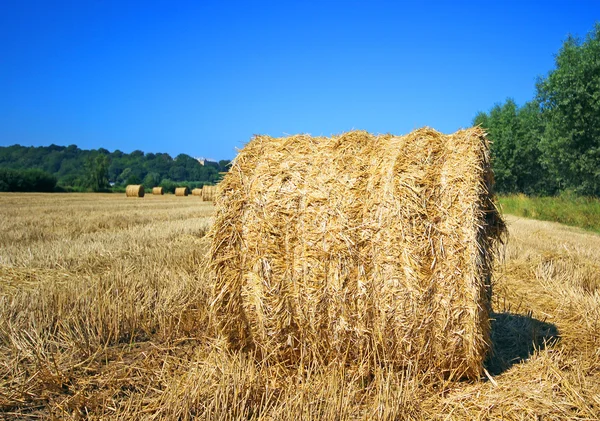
(201, 77)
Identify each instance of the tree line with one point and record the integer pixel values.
(75, 169)
(551, 144)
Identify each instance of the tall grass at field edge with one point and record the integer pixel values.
(568, 209)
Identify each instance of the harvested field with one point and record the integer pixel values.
(105, 314)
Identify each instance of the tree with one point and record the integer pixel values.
(97, 172)
(178, 173)
(168, 185)
(133, 179)
(151, 180)
(124, 176)
(515, 134)
(570, 103)
(533, 176)
(26, 180)
(224, 165)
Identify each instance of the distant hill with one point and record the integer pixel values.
(98, 169)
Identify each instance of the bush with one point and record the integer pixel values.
(33, 180)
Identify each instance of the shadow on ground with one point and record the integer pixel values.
(515, 337)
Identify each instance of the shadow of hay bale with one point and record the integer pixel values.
(515, 337)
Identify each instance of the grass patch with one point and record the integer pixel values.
(583, 212)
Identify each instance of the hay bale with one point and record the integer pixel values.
(158, 191)
(181, 191)
(134, 190)
(209, 193)
(197, 192)
(359, 248)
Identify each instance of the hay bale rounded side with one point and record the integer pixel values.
(181, 191)
(197, 192)
(134, 190)
(360, 248)
(209, 193)
(158, 191)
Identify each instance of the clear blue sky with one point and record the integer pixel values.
(201, 77)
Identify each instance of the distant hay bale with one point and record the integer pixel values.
(181, 191)
(134, 190)
(158, 191)
(197, 192)
(359, 248)
(209, 193)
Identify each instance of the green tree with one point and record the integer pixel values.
(570, 102)
(124, 176)
(133, 179)
(151, 180)
(168, 185)
(31, 180)
(224, 165)
(97, 172)
(515, 134)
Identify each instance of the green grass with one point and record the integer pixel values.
(583, 212)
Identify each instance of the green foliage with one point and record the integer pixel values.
(515, 134)
(570, 101)
(33, 180)
(133, 179)
(151, 180)
(97, 172)
(224, 165)
(170, 185)
(84, 170)
(552, 143)
(568, 208)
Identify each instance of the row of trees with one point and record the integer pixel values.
(552, 143)
(98, 170)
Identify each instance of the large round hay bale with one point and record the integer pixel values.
(134, 190)
(197, 192)
(181, 191)
(209, 193)
(158, 191)
(359, 248)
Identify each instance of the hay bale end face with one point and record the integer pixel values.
(209, 193)
(181, 191)
(158, 191)
(359, 248)
(134, 190)
(197, 192)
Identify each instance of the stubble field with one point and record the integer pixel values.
(105, 313)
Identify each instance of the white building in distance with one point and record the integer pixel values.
(203, 160)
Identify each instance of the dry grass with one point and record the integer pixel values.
(105, 314)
